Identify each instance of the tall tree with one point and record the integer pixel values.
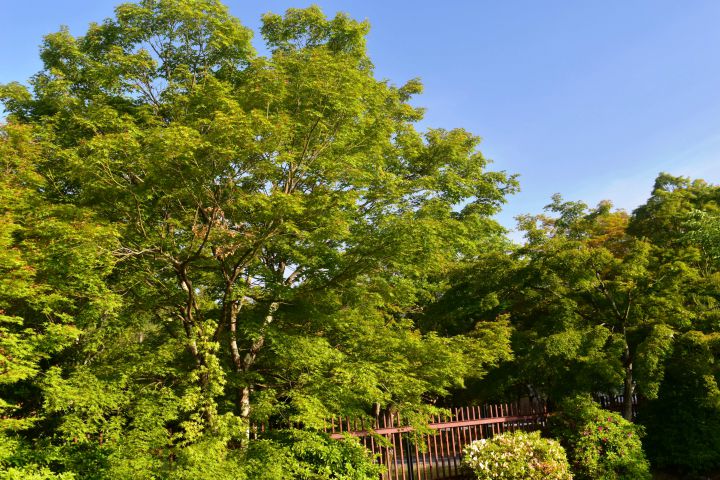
(594, 308)
(54, 262)
(681, 219)
(598, 297)
(279, 219)
(606, 295)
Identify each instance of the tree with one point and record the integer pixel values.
(598, 298)
(603, 301)
(682, 421)
(54, 260)
(663, 218)
(594, 308)
(279, 218)
(609, 301)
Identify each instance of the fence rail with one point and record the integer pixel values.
(615, 403)
(437, 455)
(407, 455)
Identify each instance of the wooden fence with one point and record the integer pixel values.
(438, 455)
(615, 403)
(406, 455)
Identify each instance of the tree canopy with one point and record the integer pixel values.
(597, 298)
(225, 238)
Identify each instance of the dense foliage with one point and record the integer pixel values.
(195, 238)
(517, 456)
(683, 423)
(602, 301)
(310, 456)
(601, 445)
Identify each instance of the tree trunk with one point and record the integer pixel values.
(629, 389)
(243, 393)
(246, 362)
(244, 402)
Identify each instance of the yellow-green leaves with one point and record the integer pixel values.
(308, 28)
(230, 237)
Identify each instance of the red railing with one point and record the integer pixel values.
(615, 403)
(406, 456)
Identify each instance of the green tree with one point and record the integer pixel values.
(609, 306)
(681, 423)
(663, 218)
(594, 307)
(54, 260)
(597, 297)
(279, 220)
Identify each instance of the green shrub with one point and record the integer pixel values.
(601, 445)
(517, 456)
(308, 455)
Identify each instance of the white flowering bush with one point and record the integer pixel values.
(517, 456)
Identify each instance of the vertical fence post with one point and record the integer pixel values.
(453, 432)
(409, 455)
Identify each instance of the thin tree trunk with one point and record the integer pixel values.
(629, 387)
(244, 410)
(244, 402)
(249, 358)
(243, 396)
(234, 306)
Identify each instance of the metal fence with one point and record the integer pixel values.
(615, 403)
(407, 455)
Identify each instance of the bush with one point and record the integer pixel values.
(601, 445)
(518, 455)
(306, 455)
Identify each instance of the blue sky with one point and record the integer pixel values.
(589, 99)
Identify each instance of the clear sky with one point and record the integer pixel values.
(587, 98)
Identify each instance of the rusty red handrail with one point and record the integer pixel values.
(437, 455)
(440, 425)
